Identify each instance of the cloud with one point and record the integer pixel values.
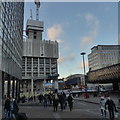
(94, 23)
(67, 48)
(54, 32)
(71, 57)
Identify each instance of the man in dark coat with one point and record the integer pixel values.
(61, 100)
(7, 108)
(70, 102)
(111, 107)
(55, 102)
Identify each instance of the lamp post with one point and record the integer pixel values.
(83, 53)
(85, 94)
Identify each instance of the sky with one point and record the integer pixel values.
(77, 26)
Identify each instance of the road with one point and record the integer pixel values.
(81, 110)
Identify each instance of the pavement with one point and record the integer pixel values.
(81, 110)
(96, 100)
(85, 109)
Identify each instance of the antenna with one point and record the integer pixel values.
(30, 13)
(37, 3)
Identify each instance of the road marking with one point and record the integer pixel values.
(81, 103)
(92, 112)
(56, 115)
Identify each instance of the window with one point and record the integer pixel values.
(35, 36)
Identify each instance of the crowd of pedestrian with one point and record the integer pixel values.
(10, 108)
(56, 99)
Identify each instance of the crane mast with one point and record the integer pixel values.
(37, 3)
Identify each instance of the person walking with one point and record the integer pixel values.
(13, 109)
(61, 100)
(102, 106)
(45, 99)
(7, 108)
(111, 107)
(55, 102)
(70, 102)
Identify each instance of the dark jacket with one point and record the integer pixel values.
(111, 105)
(7, 105)
(16, 108)
(55, 101)
(61, 99)
(70, 99)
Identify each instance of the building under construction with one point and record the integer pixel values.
(39, 58)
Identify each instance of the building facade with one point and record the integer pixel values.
(11, 44)
(39, 59)
(103, 55)
(75, 81)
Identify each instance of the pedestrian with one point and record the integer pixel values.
(61, 100)
(102, 106)
(13, 109)
(40, 97)
(65, 100)
(111, 107)
(55, 102)
(7, 108)
(45, 100)
(70, 102)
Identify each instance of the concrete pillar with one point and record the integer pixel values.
(3, 83)
(1, 94)
(56, 84)
(13, 88)
(44, 85)
(18, 89)
(8, 85)
(16, 95)
(32, 87)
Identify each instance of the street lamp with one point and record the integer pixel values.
(83, 53)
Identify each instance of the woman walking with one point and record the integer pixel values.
(102, 106)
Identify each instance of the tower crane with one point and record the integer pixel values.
(37, 3)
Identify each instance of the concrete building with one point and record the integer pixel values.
(103, 55)
(11, 44)
(39, 59)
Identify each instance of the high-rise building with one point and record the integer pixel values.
(103, 55)
(11, 44)
(39, 59)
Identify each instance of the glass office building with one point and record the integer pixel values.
(11, 47)
(103, 56)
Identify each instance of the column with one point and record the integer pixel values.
(44, 84)
(44, 75)
(25, 66)
(16, 95)
(18, 89)
(13, 88)
(8, 85)
(38, 67)
(1, 94)
(56, 84)
(32, 87)
(32, 78)
(3, 83)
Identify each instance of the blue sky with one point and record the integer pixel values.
(78, 26)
